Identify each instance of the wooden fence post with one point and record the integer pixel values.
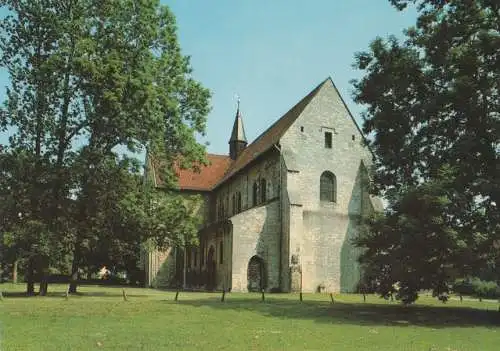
(67, 292)
(223, 292)
(300, 294)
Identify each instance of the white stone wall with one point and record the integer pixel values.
(321, 231)
(266, 167)
(160, 267)
(285, 230)
(256, 232)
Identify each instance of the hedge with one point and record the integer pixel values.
(478, 288)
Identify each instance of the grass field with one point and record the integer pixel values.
(99, 319)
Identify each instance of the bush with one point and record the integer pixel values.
(478, 288)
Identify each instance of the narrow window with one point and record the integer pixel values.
(254, 197)
(221, 253)
(328, 140)
(301, 128)
(263, 190)
(353, 137)
(239, 202)
(234, 203)
(328, 187)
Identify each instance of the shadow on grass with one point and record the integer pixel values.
(358, 313)
(113, 292)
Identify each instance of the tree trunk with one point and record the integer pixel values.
(44, 275)
(30, 283)
(14, 271)
(44, 285)
(73, 280)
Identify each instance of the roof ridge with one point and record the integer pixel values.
(219, 155)
(311, 94)
(273, 133)
(360, 130)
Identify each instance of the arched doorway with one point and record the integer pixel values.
(211, 267)
(256, 275)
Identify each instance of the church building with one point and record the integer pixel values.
(279, 213)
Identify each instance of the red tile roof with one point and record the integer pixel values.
(190, 179)
(221, 167)
(269, 137)
(207, 177)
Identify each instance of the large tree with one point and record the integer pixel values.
(433, 110)
(88, 79)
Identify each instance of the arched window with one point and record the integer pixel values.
(255, 191)
(239, 202)
(263, 190)
(328, 187)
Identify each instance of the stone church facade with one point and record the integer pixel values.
(278, 213)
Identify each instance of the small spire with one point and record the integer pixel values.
(238, 140)
(238, 133)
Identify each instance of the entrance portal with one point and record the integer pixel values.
(256, 274)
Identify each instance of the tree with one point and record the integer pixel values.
(24, 235)
(433, 110)
(89, 78)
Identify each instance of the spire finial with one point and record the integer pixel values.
(238, 101)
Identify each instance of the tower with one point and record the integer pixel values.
(238, 141)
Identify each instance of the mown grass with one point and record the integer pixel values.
(99, 319)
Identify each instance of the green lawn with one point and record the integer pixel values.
(99, 319)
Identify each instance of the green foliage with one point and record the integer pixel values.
(432, 108)
(414, 244)
(478, 288)
(87, 80)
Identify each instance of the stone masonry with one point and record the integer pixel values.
(268, 226)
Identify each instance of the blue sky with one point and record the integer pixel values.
(272, 53)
